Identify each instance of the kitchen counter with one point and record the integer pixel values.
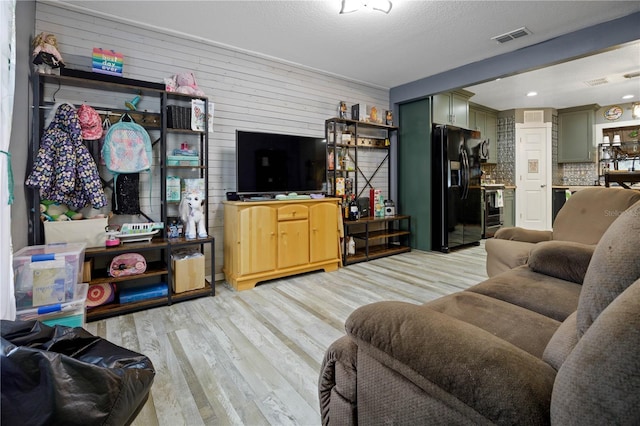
(572, 188)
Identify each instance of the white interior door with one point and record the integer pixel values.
(533, 175)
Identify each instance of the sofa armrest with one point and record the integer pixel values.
(561, 259)
(337, 383)
(498, 380)
(503, 255)
(517, 233)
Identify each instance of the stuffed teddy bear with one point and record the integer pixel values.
(186, 83)
(46, 57)
(53, 211)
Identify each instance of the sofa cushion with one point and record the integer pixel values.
(521, 327)
(599, 383)
(561, 259)
(614, 266)
(584, 220)
(562, 343)
(549, 296)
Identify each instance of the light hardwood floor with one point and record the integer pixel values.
(254, 357)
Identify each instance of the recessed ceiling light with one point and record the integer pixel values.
(530, 94)
(627, 97)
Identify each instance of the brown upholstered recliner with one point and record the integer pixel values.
(554, 342)
(583, 219)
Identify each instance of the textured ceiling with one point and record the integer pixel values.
(417, 39)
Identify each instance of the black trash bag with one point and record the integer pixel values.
(67, 376)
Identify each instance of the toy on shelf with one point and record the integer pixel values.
(138, 232)
(46, 57)
(192, 215)
(184, 82)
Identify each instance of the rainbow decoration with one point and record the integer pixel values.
(107, 61)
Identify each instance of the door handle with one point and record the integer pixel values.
(543, 185)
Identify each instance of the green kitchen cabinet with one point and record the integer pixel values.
(452, 108)
(485, 120)
(414, 170)
(576, 134)
(509, 209)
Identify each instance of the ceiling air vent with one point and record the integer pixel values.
(511, 35)
(534, 116)
(597, 82)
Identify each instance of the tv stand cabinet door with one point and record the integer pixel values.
(324, 232)
(293, 244)
(258, 240)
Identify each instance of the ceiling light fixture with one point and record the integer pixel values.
(530, 94)
(627, 97)
(349, 6)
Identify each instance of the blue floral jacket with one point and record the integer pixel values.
(64, 170)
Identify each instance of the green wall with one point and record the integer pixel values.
(414, 170)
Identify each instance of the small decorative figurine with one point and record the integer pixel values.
(342, 110)
(373, 115)
(388, 118)
(46, 57)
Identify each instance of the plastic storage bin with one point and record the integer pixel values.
(48, 274)
(69, 314)
(182, 160)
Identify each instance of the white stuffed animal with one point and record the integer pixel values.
(191, 212)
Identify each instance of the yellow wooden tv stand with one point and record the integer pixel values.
(264, 240)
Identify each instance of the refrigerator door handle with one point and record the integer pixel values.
(462, 174)
(465, 181)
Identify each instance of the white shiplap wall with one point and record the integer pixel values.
(250, 92)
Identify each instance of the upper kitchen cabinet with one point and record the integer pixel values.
(485, 120)
(575, 134)
(452, 108)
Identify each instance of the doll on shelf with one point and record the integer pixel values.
(46, 57)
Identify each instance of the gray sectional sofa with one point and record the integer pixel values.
(554, 341)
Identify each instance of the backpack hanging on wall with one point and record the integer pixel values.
(127, 149)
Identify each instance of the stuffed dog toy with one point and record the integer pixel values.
(192, 215)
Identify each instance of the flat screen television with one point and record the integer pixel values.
(271, 163)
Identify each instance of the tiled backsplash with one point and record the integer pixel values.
(576, 174)
(506, 167)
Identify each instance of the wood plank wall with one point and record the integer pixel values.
(250, 91)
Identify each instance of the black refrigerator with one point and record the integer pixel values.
(457, 194)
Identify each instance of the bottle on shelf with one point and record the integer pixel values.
(345, 207)
(354, 213)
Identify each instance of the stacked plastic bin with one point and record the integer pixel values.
(48, 285)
